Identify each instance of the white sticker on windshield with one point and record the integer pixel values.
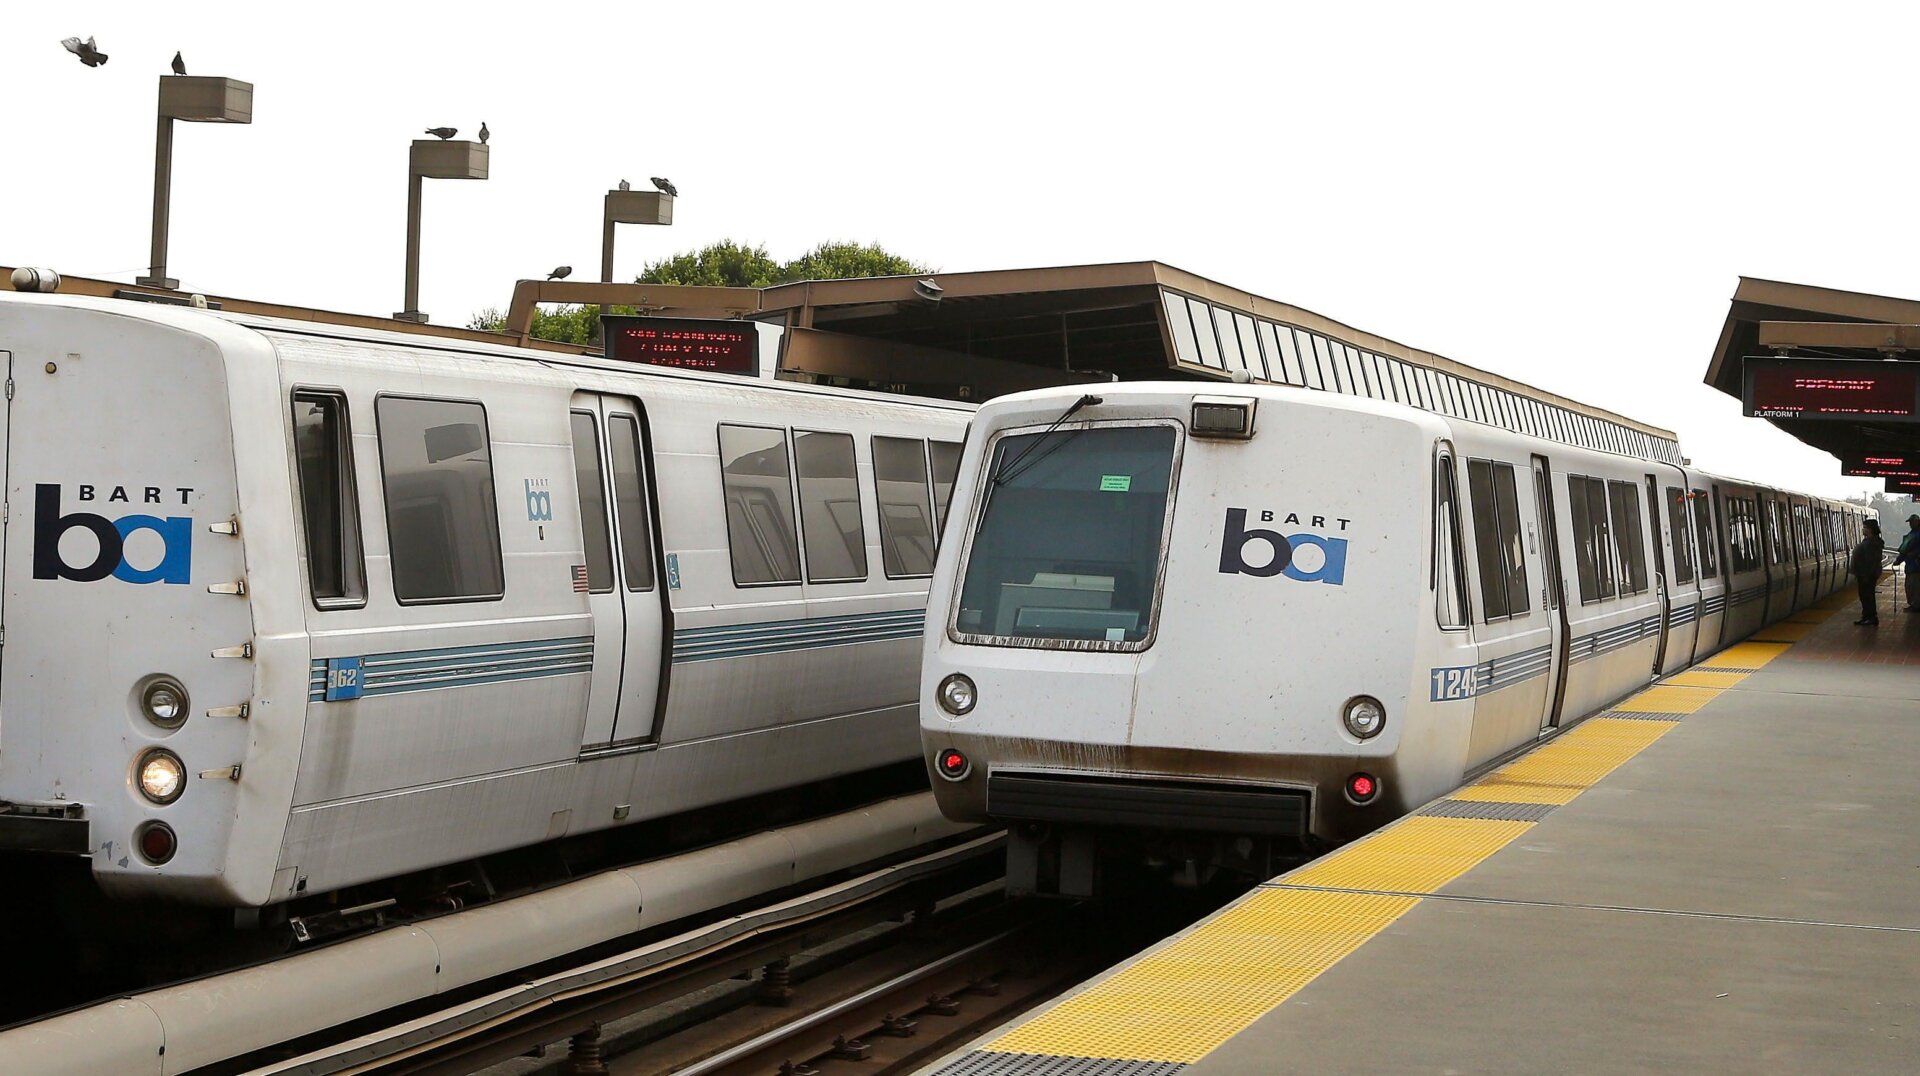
(1116, 635)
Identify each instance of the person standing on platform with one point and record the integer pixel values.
(1909, 560)
(1866, 571)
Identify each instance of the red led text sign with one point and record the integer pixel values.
(1881, 466)
(723, 347)
(1831, 389)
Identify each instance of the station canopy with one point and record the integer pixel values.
(1839, 370)
(980, 334)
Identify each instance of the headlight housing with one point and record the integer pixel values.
(164, 702)
(1364, 717)
(957, 694)
(160, 775)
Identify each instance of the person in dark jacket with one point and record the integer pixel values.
(1909, 559)
(1866, 571)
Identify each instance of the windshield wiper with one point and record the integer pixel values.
(1013, 469)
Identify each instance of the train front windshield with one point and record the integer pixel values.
(1067, 550)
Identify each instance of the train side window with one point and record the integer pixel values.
(1496, 539)
(761, 539)
(1628, 536)
(592, 486)
(906, 518)
(1592, 538)
(1449, 572)
(329, 500)
(830, 507)
(631, 514)
(1677, 534)
(945, 457)
(443, 530)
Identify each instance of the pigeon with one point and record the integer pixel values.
(442, 133)
(664, 186)
(625, 186)
(561, 273)
(179, 65)
(484, 133)
(88, 54)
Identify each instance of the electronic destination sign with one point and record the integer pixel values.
(1831, 389)
(1881, 465)
(721, 347)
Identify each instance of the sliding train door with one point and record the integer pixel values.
(1662, 582)
(612, 480)
(1555, 592)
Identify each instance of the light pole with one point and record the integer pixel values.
(433, 158)
(196, 99)
(629, 207)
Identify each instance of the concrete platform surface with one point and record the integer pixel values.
(1721, 875)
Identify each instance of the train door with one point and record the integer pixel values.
(1556, 592)
(1662, 586)
(619, 578)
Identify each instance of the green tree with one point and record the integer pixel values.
(842, 261)
(725, 264)
(566, 324)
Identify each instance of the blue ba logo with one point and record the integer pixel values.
(539, 500)
(1309, 558)
(49, 526)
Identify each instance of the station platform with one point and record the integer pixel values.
(1721, 873)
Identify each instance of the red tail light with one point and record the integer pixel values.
(952, 765)
(156, 842)
(1362, 788)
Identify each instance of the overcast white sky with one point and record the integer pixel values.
(1562, 194)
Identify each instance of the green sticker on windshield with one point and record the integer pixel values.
(1116, 483)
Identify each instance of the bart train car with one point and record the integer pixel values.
(290, 608)
(1215, 629)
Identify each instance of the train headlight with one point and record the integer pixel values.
(957, 694)
(164, 703)
(1364, 716)
(162, 776)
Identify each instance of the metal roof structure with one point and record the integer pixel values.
(1126, 321)
(1772, 318)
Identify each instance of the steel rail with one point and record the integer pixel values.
(556, 1005)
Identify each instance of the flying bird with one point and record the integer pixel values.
(179, 65)
(664, 186)
(88, 54)
(442, 133)
(484, 133)
(625, 186)
(561, 273)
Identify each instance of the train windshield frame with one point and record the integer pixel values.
(1066, 549)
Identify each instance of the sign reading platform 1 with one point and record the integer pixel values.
(721, 347)
(1833, 389)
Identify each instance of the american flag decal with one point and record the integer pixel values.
(580, 578)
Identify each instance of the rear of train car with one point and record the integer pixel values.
(1210, 630)
(289, 609)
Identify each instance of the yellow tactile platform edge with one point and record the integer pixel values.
(1179, 1002)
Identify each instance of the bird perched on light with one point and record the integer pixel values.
(484, 133)
(560, 272)
(625, 186)
(88, 54)
(664, 186)
(179, 65)
(442, 133)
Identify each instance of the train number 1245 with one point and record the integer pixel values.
(1452, 683)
